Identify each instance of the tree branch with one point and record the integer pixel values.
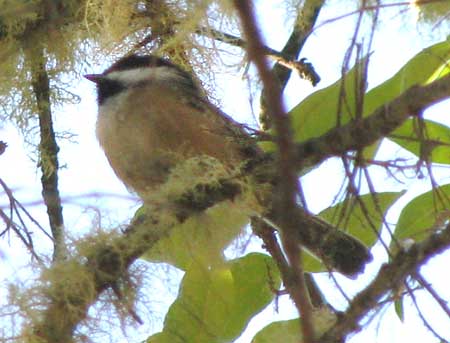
(76, 285)
(109, 261)
(303, 26)
(361, 133)
(69, 296)
(48, 149)
(390, 277)
(284, 198)
(304, 69)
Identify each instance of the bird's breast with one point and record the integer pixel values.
(144, 135)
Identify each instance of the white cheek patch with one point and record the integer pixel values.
(138, 75)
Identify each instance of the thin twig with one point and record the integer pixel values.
(422, 317)
(441, 302)
(29, 245)
(358, 134)
(377, 7)
(302, 28)
(304, 69)
(390, 276)
(285, 201)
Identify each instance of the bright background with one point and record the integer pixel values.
(89, 187)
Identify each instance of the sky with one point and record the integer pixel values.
(88, 184)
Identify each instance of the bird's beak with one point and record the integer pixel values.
(96, 78)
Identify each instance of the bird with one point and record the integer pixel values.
(153, 116)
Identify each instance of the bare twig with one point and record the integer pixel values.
(25, 240)
(284, 58)
(302, 28)
(268, 236)
(377, 7)
(390, 277)
(361, 133)
(421, 315)
(164, 26)
(285, 197)
(441, 302)
(21, 232)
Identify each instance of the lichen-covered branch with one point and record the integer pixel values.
(108, 262)
(74, 286)
(48, 149)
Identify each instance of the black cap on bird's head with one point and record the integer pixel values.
(140, 61)
(109, 86)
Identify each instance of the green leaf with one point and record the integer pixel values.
(428, 65)
(162, 337)
(311, 263)
(423, 215)
(399, 309)
(316, 114)
(355, 221)
(288, 331)
(437, 144)
(216, 304)
(425, 67)
(201, 238)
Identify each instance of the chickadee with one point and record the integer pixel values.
(152, 116)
